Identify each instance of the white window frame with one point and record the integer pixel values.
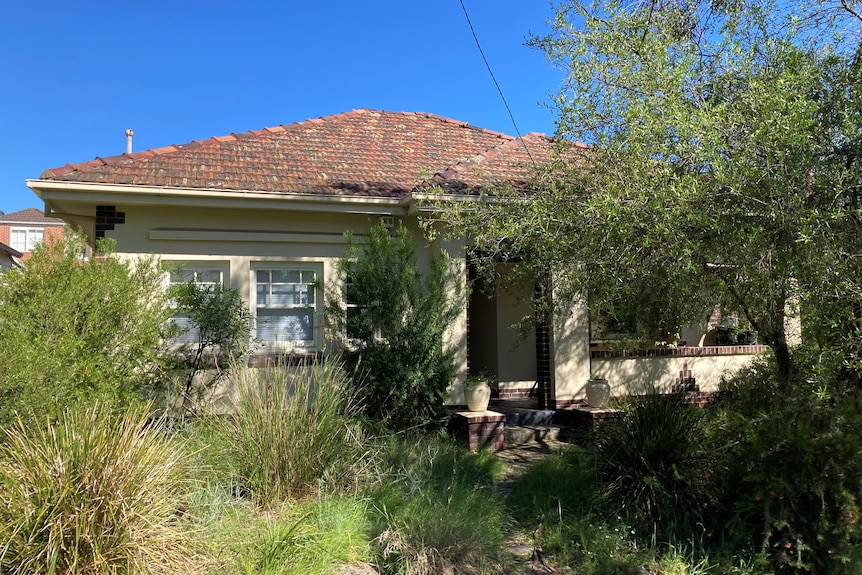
(195, 267)
(352, 342)
(30, 239)
(280, 342)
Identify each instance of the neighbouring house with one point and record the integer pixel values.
(265, 212)
(23, 229)
(9, 257)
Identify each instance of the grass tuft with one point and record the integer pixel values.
(93, 493)
(656, 466)
(438, 510)
(289, 429)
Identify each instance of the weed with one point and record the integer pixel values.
(437, 510)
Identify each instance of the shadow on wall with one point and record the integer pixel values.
(641, 375)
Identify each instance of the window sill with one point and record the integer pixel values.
(271, 358)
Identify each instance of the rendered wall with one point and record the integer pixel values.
(496, 347)
(238, 240)
(570, 356)
(516, 352)
(638, 375)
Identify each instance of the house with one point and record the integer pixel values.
(23, 229)
(9, 257)
(265, 212)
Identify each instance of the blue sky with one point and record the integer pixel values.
(75, 74)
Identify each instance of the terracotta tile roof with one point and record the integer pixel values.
(513, 162)
(362, 152)
(29, 215)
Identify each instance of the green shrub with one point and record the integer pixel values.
(556, 501)
(395, 324)
(290, 426)
(438, 509)
(73, 331)
(656, 467)
(793, 481)
(93, 493)
(220, 320)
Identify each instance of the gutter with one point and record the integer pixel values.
(129, 193)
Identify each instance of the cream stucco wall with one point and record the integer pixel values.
(497, 346)
(238, 240)
(640, 375)
(456, 335)
(570, 355)
(237, 232)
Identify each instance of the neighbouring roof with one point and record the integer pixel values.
(362, 152)
(29, 216)
(9, 250)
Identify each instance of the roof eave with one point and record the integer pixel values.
(128, 194)
(10, 250)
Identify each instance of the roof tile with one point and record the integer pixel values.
(366, 152)
(29, 215)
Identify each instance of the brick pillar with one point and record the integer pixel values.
(543, 350)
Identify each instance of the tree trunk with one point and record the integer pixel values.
(775, 336)
(784, 365)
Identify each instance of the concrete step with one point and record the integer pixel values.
(522, 412)
(528, 417)
(525, 434)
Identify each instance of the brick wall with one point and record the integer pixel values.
(52, 233)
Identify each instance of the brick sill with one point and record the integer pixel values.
(682, 351)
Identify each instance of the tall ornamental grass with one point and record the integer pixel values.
(656, 466)
(290, 428)
(93, 493)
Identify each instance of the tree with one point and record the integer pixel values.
(74, 330)
(394, 324)
(722, 165)
(219, 323)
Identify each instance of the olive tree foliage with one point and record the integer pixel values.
(394, 326)
(718, 162)
(76, 330)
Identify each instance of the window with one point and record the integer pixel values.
(359, 325)
(352, 311)
(286, 304)
(202, 275)
(25, 239)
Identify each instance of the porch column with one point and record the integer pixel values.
(570, 356)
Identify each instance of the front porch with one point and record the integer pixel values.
(521, 421)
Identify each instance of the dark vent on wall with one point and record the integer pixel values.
(106, 218)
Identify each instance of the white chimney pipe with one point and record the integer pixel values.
(129, 134)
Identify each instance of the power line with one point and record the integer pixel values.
(499, 90)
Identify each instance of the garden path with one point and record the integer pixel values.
(518, 457)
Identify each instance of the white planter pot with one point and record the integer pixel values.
(477, 397)
(598, 393)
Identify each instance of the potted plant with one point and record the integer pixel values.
(598, 391)
(746, 337)
(477, 392)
